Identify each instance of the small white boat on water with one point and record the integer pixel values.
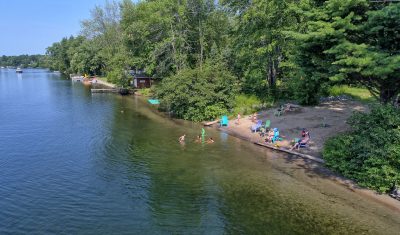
(19, 70)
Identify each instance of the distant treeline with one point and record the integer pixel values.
(33, 61)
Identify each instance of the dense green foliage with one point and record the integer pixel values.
(260, 46)
(33, 61)
(293, 49)
(352, 41)
(247, 104)
(199, 94)
(370, 154)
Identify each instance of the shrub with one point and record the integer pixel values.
(200, 93)
(246, 104)
(370, 153)
(306, 91)
(119, 77)
(145, 92)
(214, 111)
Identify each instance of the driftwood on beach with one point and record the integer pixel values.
(306, 156)
(211, 123)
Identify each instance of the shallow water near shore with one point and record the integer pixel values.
(76, 163)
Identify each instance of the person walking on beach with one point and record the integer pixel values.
(238, 119)
(254, 117)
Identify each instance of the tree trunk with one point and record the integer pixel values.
(387, 95)
(273, 66)
(201, 41)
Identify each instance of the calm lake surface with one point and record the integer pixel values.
(76, 163)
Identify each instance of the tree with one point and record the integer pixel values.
(85, 58)
(103, 30)
(61, 53)
(355, 42)
(33, 61)
(259, 40)
(199, 94)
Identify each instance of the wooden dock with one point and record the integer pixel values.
(104, 90)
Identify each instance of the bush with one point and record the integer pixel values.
(145, 92)
(370, 154)
(198, 94)
(246, 104)
(119, 77)
(306, 91)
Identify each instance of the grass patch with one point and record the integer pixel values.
(248, 104)
(104, 79)
(145, 92)
(357, 93)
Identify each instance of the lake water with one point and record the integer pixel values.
(76, 163)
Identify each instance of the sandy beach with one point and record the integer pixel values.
(322, 121)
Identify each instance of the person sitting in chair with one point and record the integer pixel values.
(303, 141)
(272, 134)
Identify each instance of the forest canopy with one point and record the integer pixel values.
(293, 49)
(33, 61)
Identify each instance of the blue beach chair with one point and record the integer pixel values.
(224, 121)
(257, 126)
(276, 136)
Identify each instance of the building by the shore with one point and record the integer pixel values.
(140, 79)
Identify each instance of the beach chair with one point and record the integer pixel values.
(276, 137)
(257, 126)
(279, 111)
(264, 130)
(224, 121)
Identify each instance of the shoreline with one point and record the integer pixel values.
(105, 83)
(384, 199)
(269, 146)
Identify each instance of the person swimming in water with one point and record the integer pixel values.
(210, 140)
(182, 138)
(198, 139)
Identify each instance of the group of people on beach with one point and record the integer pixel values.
(198, 139)
(305, 135)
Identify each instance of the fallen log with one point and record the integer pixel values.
(211, 123)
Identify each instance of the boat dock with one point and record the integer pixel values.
(113, 90)
(76, 78)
